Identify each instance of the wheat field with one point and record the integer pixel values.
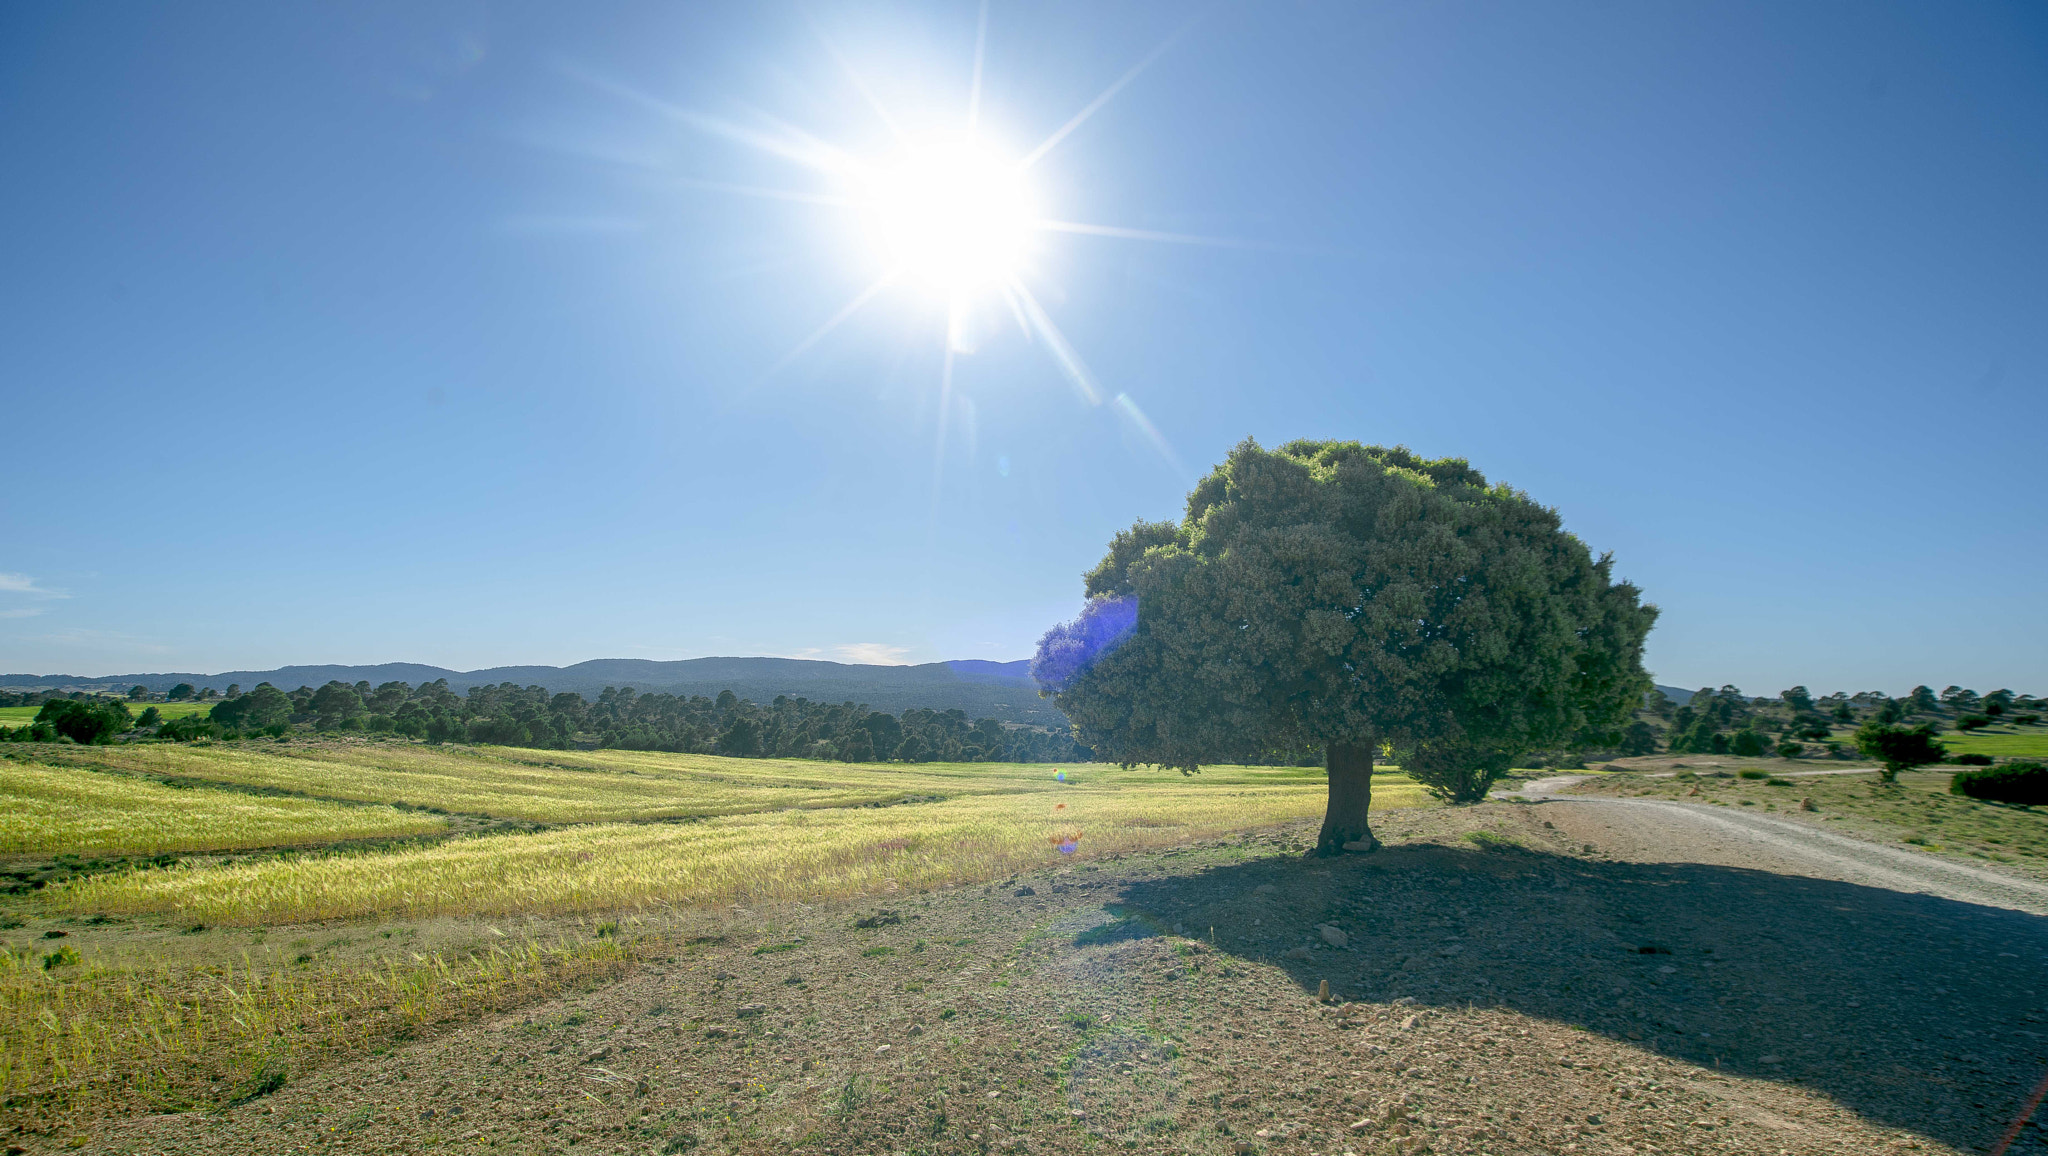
(639, 840)
(47, 809)
(751, 858)
(547, 786)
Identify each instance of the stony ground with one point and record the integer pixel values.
(1508, 978)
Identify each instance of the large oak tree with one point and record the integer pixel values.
(1341, 596)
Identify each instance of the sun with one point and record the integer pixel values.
(946, 213)
(951, 214)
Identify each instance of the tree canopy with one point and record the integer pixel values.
(260, 709)
(1340, 596)
(1898, 748)
(85, 722)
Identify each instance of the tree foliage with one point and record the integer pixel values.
(85, 722)
(259, 710)
(1335, 595)
(1703, 724)
(336, 703)
(1898, 748)
(2023, 783)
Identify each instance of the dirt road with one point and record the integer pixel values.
(1654, 830)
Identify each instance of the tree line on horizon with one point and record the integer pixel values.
(1726, 721)
(1713, 721)
(529, 716)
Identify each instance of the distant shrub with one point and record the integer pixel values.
(1752, 773)
(85, 722)
(1748, 744)
(1971, 722)
(1972, 760)
(1791, 750)
(184, 730)
(2024, 783)
(2026, 720)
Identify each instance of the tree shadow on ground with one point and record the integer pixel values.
(1915, 1012)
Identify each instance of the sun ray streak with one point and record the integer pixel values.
(818, 334)
(939, 445)
(1016, 310)
(1108, 94)
(1070, 361)
(867, 94)
(1137, 418)
(793, 144)
(1146, 235)
(764, 193)
(980, 54)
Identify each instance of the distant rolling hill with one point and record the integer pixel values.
(983, 689)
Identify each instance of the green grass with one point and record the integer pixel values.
(2001, 742)
(14, 716)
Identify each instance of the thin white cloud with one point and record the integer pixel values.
(872, 653)
(23, 612)
(11, 583)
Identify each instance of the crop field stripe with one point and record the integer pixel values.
(598, 786)
(784, 855)
(134, 1036)
(14, 716)
(47, 810)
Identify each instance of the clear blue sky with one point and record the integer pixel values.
(439, 333)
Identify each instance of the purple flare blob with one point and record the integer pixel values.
(1069, 649)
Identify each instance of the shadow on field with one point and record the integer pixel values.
(1916, 1012)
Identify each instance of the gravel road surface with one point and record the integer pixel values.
(1701, 833)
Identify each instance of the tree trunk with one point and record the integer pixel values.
(1350, 767)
